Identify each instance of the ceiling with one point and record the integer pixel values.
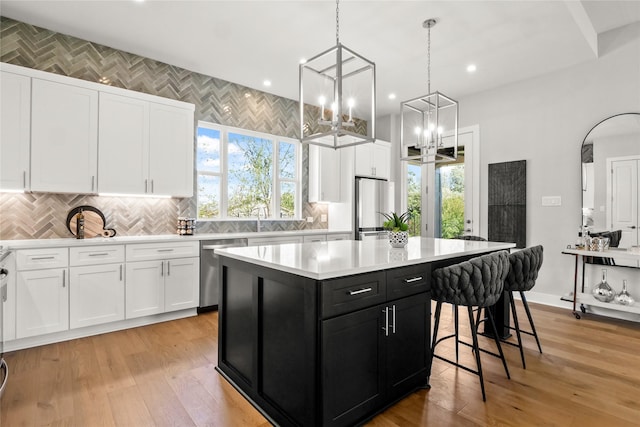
(247, 42)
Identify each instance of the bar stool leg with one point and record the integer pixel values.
(455, 317)
(436, 324)
(512, 303)
(533, 327)
(497, 340)
(476, 350)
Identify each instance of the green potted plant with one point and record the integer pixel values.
(397, 227)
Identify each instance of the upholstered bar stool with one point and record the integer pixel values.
(523, 272)
(476, 283)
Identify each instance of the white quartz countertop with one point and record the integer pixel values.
(119, 240)
(326, 260)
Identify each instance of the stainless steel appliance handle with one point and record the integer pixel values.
(415, 279)
(360, 291)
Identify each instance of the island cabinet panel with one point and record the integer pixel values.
(328, 352)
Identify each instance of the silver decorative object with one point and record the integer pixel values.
(602, 291)
(624, 297)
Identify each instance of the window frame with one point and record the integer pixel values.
(276, 179)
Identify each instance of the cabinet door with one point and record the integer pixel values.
(144, 288)
(15, 116)
(42, 302)
(181, 285)
(363, 166)
(324, 174)
(408, 344)
(380, 156)
(96, 294)
(123, 157)
(352, 366)
(64, 138)
(171, 167)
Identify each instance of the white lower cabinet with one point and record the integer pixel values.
(42, 302)
(96, 294)
(181, 284)
(344, 236)
(319, 238)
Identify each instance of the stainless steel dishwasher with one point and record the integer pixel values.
(209, 286)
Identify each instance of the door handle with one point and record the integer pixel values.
(386, 321)
(393, 327)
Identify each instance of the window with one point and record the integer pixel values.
(243, 174)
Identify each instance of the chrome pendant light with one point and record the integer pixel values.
(429, 123)
(337, 97)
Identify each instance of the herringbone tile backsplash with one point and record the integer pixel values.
(38, 216)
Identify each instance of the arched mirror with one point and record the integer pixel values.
(610, 177)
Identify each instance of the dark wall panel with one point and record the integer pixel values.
(508, 202)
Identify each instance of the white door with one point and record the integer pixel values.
(623, 189)
(171, 150)
(144, 289)
(123, 157)
(42, 302)
(15, 128)
(64, 138)
(182, 285)
(96, 294)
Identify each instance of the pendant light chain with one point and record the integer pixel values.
(337, 22)
(429, 59)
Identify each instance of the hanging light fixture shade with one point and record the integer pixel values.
(337, 97)
(429, 123)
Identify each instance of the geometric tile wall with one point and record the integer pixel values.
(39, 215)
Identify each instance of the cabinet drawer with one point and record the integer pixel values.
(156, 251)
(352, 293)
(406, 281)
(35, 259)
(92, 255)
(307, 239)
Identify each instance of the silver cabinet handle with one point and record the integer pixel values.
(162, 268)
(386, 321)
(168, 268)
(98, 254)
(415, 279)
(152, 186)
(121, 272)
(24, 179)
(64, 278)
(393, 327)
(93, 182)
(165, 250)
(39, 258)
(145, 185)
(360, 291)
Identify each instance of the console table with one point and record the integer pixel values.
(588, 299)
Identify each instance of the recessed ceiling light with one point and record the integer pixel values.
(267, 83)
(392, 96)
(303, 60)
(471, 68)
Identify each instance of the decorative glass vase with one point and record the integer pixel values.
(624, 297)
(602, 291)
(398, 239)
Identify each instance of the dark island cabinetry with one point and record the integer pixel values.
(323, 352)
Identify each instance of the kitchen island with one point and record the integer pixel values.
(330, 333)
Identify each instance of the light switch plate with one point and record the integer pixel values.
(551, 201)
(309, 219)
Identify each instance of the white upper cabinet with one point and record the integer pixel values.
(64, 137)
(15, 119)
(123, 165)
(171, 150)
(324, 174)
(373, 159)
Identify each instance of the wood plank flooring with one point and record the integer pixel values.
(163, 375)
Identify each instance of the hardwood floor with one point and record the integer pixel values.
(163, 375)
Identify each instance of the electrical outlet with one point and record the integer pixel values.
(551, 201)
(309, 219)
(323, 218)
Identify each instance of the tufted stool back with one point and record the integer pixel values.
(523, 272)
(478, 282)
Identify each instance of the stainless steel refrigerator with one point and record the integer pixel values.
(373, 197)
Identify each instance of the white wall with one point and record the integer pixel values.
(544, 121)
